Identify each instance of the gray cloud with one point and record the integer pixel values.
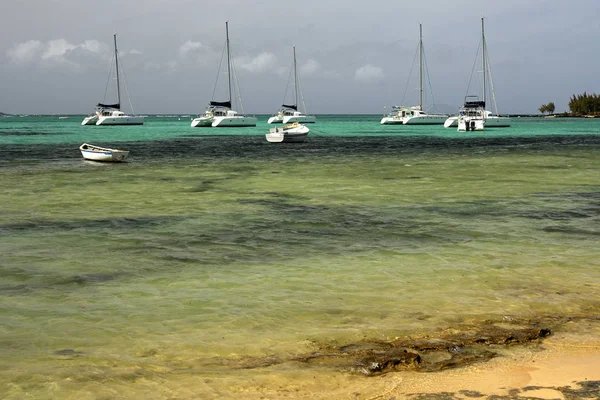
(352, 57)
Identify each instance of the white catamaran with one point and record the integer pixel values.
(414, 115)
(111, 114)
(288, 113)
(219, 113)
(491, 120)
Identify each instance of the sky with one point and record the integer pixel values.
(353, 57)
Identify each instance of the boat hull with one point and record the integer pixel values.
(471, 124)
(490, 122)
(287, 135)
(391, 121)
(91, 120)
(497, 122)
(121, 120)
(236, 121)
(303, 119)
(201, 122)
(275, 120)
(426, 120)
(451, 122)
(95, 153)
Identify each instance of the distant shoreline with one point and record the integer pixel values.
(167, 115)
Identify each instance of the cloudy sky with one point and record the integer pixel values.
(353, 56)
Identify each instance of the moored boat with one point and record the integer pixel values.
(289, 113)
(294, 132)
(220, 113)
(111, 114)
(97, 153)
(415, 115)
(491, 120)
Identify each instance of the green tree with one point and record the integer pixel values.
(547, 108)
(585, 104)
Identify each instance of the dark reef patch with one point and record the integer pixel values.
(453, 348)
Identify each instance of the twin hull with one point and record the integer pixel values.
(289, 119)
(223, 121)
(490, 122)
(124, 120)
(419, 120)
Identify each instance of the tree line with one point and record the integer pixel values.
(579, 104)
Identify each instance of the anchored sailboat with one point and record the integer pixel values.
(111, 114)
(491, 120)
(414, 115)
(219, 113)
(289, 112)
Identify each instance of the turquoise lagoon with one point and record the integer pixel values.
(213, 250)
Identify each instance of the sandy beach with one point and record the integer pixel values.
(553, 370)
(565, 365)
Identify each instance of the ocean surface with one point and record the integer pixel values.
(185, 271)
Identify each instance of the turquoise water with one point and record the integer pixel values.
(159, 277)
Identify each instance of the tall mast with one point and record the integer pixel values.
(117, 65)
(484, 62)
(228, 60)
(295, 79)
(420, 67)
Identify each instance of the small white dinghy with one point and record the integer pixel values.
(288, 133)
(96, 153)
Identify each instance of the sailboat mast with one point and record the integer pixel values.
(117, 66)
(295, 79)
(228, 60)
(484, 57)
(420, 67)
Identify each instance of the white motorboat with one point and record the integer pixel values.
(492, 120)
(466, 124)
(294, 132)
(288, 113)
(97, 153)
(111, 114)
(472, 115)
(415, 115)
(220, 113)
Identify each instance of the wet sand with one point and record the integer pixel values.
(565, 365)
(552, 370)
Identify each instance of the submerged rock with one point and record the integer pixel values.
(455, 348)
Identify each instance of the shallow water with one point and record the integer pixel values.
(155, 277)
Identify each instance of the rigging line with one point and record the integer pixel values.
(218, 73)
(126, 87)
(299, 89)
(428, 79)
(288, 83)
(473, 69)
(489, 71)
(112, 59)
(409, 75)
(236, 85)
(302, 97)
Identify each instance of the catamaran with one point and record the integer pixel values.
(414, 115)
(289, 113)
(491, 120)
(111, 114)
(219, 113)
